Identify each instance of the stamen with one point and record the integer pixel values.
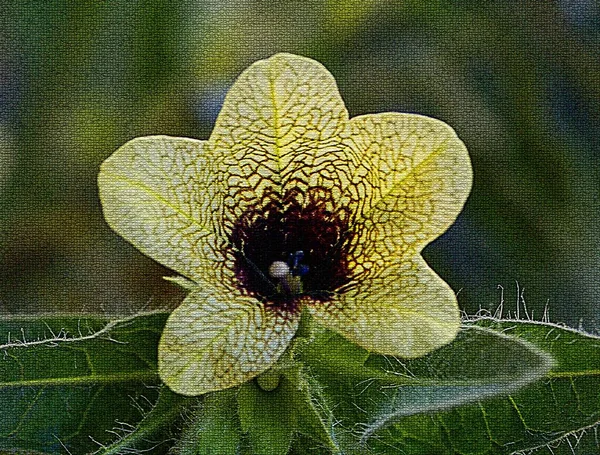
(279, 269)
(294, 263)
(295, 259)
(301, 270)
(290, 281)
(282, 254)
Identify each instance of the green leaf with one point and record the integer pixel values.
(370, 391)
(558, 414)
(70, 381)
(215, 429)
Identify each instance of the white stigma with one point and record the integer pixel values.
(279, 270)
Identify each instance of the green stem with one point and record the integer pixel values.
(305, 325)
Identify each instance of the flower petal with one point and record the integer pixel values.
(158, 192)
(417, 176)
(406, 311)
(279, 133)
(420, 174)
(211, 343)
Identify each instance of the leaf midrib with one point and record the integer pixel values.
(149, 375)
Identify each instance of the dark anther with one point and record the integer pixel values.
(295, 258)
(296, 267)
(300, 270)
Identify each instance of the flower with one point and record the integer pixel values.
(291, 205)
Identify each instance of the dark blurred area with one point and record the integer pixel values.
(518, 80)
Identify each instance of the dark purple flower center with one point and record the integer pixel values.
(309, 240)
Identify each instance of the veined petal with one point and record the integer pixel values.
(215, 340)
(406, 310)
(420, 176)
(417, 178)
(159, 193)
(279, 133)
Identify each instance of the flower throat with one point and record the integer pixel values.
(284, 251)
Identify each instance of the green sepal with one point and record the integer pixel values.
(215, 427)
(314, 413)
(268, 417)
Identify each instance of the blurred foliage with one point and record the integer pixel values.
(518, 80)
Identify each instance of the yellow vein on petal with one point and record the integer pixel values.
(369, 155)
(398, 182)
(159, 198)
(418, 314)
(277, 130)
(215, 339)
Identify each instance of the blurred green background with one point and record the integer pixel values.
(518, 80)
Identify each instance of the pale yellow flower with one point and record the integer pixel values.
(291, 205)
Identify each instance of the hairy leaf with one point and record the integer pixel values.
(371, 392)
(558, 414)
(153, 433)
(73, 383)
(70, 381)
